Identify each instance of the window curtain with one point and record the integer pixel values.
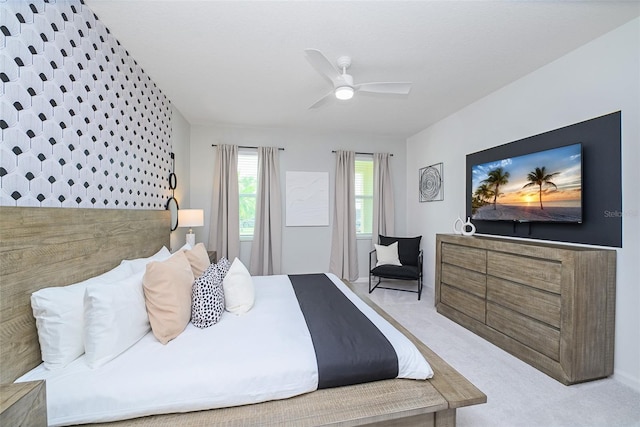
(266, 249)
(224, 227)
(344, 254)
(383, 204)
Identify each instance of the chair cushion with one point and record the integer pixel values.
(408, 248)
(405, 272)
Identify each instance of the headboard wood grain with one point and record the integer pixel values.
(44, 247)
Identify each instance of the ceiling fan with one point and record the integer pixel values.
(343, 87)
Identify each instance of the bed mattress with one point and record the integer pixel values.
(262, 355)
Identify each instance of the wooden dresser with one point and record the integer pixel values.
(551, 305)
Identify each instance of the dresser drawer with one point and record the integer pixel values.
(532, 302)
(465, 257)
(534, 334)
(467, 280)
(464, 302)
(539, 273)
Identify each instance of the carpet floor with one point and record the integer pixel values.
(518, 395)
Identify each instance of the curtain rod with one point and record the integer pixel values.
(364, 154)
(247, 146)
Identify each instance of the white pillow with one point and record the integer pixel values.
(387, 255)
(59, 314)
(115, 318)
(238, 289)
(186, 247)
(140, 264)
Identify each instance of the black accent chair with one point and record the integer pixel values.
(410, 256)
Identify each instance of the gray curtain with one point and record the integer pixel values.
(224, 227)
(266, 249)
(344, 254)
(383, 204)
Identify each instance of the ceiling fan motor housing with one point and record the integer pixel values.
(343, 62)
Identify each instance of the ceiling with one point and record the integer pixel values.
(242, 63)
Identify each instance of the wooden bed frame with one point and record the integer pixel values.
(43, 247)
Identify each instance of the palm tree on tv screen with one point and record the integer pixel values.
(495, 178)
(481, 197)
(541, 178)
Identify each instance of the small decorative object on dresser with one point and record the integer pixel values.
(551, 305)
(464, 228)
(457, 225)
(468, 229)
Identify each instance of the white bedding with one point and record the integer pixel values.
(262, 355)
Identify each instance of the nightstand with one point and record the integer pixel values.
(23, 404)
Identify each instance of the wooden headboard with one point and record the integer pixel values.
(44, 247)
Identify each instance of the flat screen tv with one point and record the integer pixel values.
(543, 186)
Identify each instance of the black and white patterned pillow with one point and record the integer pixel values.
(223, 266)
(207, 297)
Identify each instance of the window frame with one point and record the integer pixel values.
(253, 154)
(364, 197)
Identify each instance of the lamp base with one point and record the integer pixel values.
(191, 239)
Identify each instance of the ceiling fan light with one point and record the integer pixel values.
(344, 92)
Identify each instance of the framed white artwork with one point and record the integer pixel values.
(307, 199)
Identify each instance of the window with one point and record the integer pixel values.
(247, 188)
(364, 195)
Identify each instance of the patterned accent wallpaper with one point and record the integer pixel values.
(81, 123)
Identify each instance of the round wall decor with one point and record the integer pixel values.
(430, 184)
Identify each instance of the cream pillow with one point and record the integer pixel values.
(387, 255)
(167, 293)
(198, 258)
(115, 318)
(238, 289)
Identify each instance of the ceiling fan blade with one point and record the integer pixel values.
(322, 100)
(399, 88)
(322, 65)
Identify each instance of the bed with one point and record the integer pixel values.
(96, 240)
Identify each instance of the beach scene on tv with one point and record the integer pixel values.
(541, 186)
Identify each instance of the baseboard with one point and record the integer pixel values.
(627, 380)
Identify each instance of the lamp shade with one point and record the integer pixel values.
(190, 218)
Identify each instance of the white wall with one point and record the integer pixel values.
(601, 77)
(180, 136)
(304, 249)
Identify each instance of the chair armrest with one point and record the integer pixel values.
(370, 258)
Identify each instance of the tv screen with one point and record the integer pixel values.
(544, 186)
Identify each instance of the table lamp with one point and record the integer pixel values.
(191, 218)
